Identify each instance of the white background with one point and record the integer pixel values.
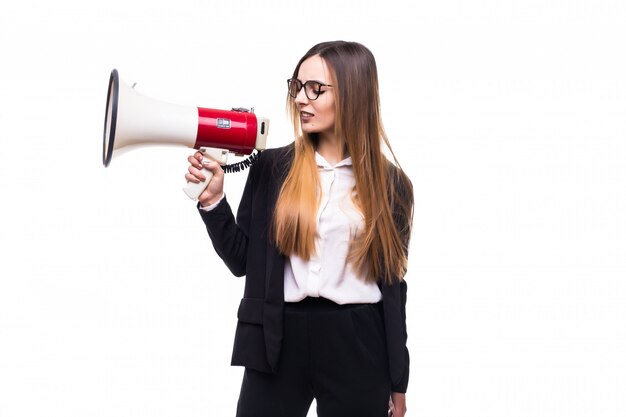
(509, 117)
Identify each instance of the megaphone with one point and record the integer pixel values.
(134, 120)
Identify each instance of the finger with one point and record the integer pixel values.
(192, 178)
(193, 161)
(390, 413)
(196, 173)
(213, 166)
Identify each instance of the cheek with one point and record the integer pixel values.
(331, 116)
(329, 110)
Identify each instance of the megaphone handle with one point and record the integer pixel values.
(218, 155)
(194, 190)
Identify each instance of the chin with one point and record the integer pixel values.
(309, 129)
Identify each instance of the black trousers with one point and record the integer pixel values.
(333, 353)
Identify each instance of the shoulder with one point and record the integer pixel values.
(271, 165)
(277, 154)
(276, 159)
(399, 182)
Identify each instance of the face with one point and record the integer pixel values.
(316, 116)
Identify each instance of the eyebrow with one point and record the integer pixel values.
(315, 81)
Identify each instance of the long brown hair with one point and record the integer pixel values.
(383, 192)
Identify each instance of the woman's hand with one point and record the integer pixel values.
(215, 189)
(397, 404)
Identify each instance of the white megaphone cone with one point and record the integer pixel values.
(133, 120)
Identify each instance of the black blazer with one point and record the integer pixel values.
(246, 248)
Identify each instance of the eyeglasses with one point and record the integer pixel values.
(312, 89)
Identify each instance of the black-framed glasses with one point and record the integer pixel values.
(312, 89)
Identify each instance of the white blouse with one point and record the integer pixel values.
(327, 274)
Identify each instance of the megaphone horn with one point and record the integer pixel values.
(133, 120)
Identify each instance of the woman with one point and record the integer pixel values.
(321, 234)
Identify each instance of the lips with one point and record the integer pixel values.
(306, 116)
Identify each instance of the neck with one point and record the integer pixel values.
(329, 147)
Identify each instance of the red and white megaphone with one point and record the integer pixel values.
(133, 120)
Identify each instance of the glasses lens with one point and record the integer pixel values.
(294, 87)
(312, 89)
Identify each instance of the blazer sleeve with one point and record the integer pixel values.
(230, 237)
(395, 295)
(394, 307)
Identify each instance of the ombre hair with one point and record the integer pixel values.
(383, 192)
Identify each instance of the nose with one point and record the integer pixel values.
(301, 98)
